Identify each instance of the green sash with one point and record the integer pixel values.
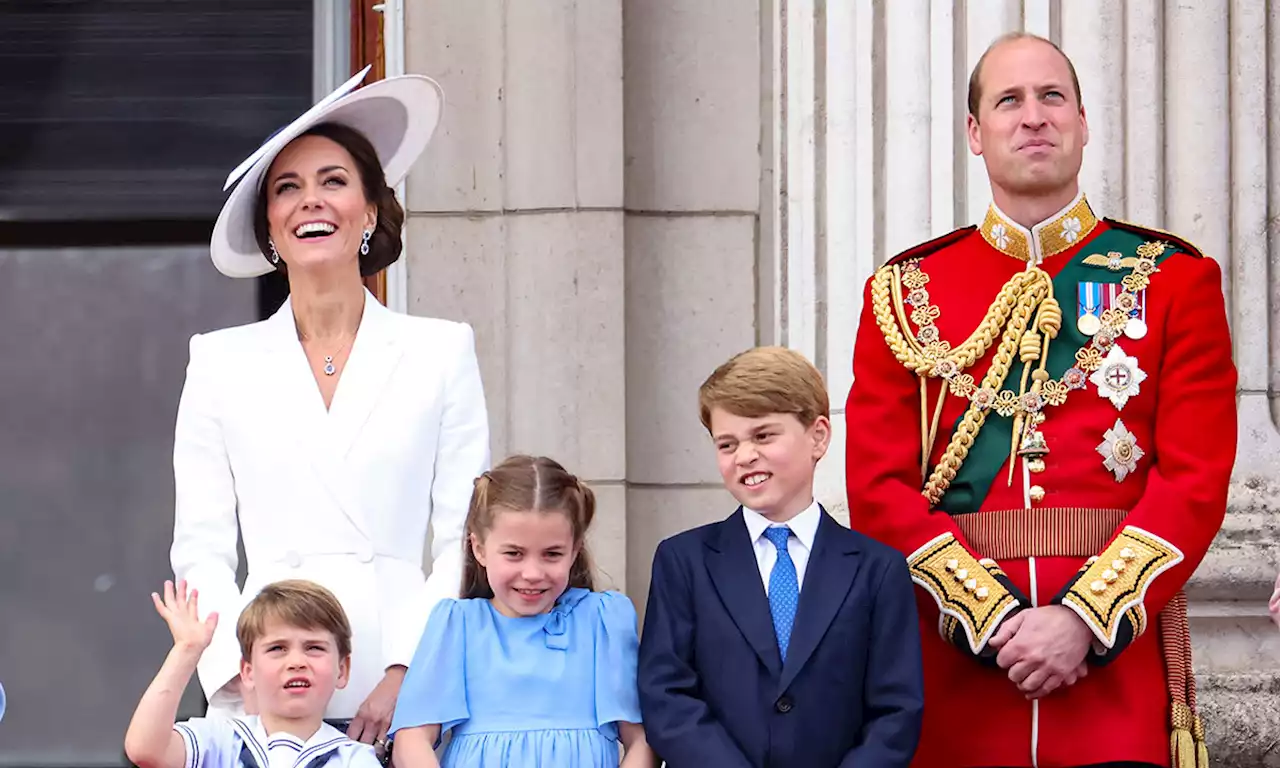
(990, 449)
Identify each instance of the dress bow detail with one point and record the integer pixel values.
(557, 627)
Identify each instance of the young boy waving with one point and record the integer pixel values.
(295, 643)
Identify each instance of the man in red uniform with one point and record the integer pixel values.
(1043, 421)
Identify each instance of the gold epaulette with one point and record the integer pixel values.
(1151, 233)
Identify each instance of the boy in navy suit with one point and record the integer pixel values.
(778, 637)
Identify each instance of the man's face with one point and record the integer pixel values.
(1030, 128)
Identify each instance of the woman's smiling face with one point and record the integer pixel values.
(317, 212)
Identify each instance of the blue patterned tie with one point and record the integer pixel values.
(784, 589)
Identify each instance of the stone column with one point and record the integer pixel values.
(516, 227)
(693, 127)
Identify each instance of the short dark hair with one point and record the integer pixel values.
(385, 244)
(975, 84)
(296, 603)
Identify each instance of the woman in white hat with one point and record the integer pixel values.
(333, 433)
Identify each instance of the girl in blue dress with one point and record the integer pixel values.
(530, 668)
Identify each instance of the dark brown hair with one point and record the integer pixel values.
(533, 484)
(975, 78)
(296, 603)
(765, 380)
(385, 244)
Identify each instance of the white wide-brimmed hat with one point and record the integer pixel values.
(397, 116)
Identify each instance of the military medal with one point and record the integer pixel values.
(1134, 304)
(1118, 377)
(1135, 328)
(1089, 320)
(1120, 452)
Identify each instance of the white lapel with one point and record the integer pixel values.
(323, 439)
(374, 356)
(290, 386)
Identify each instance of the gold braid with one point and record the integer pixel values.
(976, 415)
(1034, 346)
(886, 297)
(1020, 299)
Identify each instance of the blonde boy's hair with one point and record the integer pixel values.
(296, 603)
(762, 381)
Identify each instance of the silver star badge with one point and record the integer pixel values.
(1120, 452)
(1118, 377)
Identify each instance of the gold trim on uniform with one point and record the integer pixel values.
(1116, 583)
(964, 589)
(1048, 238)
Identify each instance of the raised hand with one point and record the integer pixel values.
(181, 612)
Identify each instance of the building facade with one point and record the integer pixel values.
(624, 193)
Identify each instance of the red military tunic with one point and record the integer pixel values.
(1118, 484)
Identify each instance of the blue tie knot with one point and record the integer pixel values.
(778, 536)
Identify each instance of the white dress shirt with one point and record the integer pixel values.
(804, 527)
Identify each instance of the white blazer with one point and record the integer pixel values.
(342, 497)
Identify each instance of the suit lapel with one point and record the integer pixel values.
(827, 580)
(735, 574)
(374, 356)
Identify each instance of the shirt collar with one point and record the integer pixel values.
(1050, 237)
(324, 734)
(804, 525)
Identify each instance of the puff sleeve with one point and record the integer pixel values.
(435, 687)
(617, 646)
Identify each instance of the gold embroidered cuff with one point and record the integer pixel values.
(967, 592)
(1114, 584)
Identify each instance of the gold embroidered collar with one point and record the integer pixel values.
(1048, 238)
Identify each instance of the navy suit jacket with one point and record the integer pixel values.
(714, 692)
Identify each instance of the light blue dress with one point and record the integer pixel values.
(541, 691)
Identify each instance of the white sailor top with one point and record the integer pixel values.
(242, 742)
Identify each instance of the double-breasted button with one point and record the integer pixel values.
(293, 559)
(784, 705)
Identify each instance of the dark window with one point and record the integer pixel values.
(138, 109)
